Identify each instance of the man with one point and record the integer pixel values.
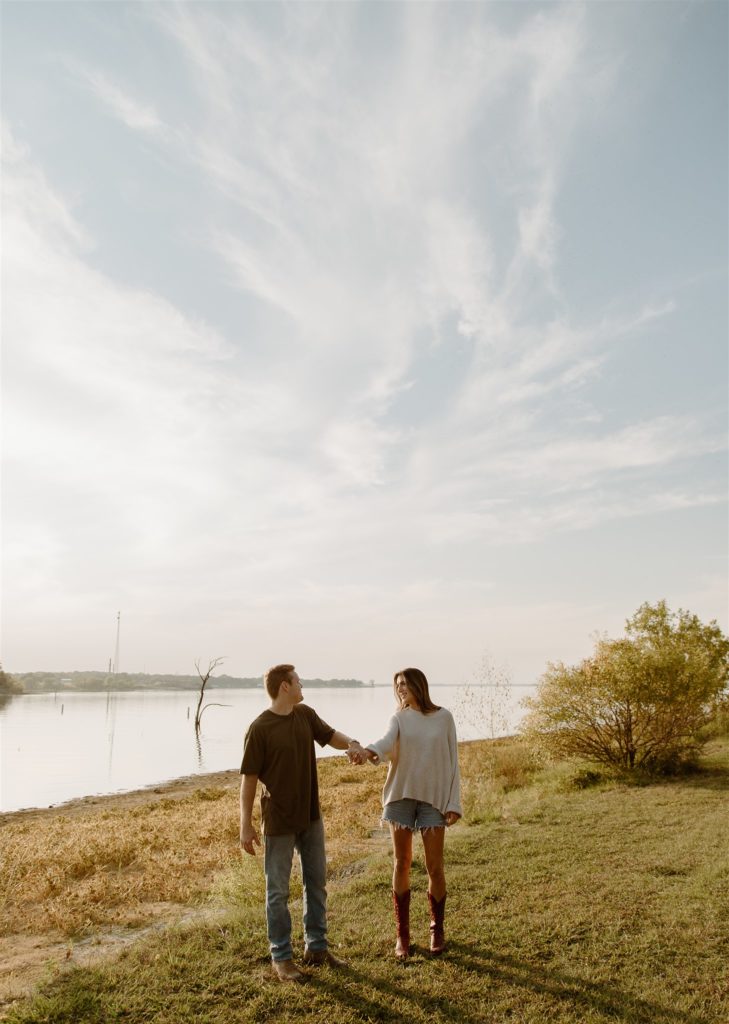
(279, 750)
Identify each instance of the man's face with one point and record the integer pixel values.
(295, 691)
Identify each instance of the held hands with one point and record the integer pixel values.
(358, 755)
(249, 839)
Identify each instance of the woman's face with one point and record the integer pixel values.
(404, 693)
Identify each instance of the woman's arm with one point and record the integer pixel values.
(453, 811)
(383, 749)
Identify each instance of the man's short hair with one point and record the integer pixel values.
(275, 676)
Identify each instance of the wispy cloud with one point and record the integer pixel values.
(132, 112)
(373, 257)
(390, 365)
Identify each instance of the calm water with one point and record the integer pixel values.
(57, 747)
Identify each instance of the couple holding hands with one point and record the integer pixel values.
(421, 793)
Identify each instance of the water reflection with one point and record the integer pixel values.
(199, 733)
(110, 721)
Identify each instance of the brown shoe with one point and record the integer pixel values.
(286, 970)
(317, 957)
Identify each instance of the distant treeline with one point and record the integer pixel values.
(53, 682)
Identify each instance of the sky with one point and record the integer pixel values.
(357, 335)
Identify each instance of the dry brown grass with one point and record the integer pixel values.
(490, 769)
(70, 872)
(116, 860)
(109, 863)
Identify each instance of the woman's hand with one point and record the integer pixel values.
(451, 818)
(356, 753)
(362, 756)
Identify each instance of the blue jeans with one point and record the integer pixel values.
(277, 860)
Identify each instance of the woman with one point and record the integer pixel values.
(422, 791)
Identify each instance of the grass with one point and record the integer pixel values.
(74, 872)
(571, 899)
(111, 864)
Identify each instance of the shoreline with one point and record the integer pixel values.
(176, 788)
(171, 788)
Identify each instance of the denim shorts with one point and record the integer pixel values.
(413, 814)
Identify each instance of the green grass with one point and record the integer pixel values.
(577, 904)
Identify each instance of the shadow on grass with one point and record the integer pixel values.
(350, 988)
(577, 991)
(353, 989)
(708, 777)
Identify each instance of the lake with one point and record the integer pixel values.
(55, 747)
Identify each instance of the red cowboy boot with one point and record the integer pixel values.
(437, 914)
(402, 923)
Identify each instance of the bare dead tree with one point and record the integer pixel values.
(204, 676)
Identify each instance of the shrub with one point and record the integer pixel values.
(640, 702)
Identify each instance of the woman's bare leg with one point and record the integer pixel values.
(433, 839)
(402, 852)
(433, 842)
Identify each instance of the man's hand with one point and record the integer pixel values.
(249, 839)
(451, 818)
(363, 755)
(356, 753)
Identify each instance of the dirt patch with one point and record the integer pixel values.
(27, 961)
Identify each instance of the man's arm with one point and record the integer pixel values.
(355, 752)
(248, 835)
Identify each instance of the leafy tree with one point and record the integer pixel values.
(641, 701)
(8, 684)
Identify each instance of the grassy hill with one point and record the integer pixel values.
(571, 899)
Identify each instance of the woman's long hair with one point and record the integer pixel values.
(418, 686)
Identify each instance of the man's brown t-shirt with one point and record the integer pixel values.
(279, 749)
